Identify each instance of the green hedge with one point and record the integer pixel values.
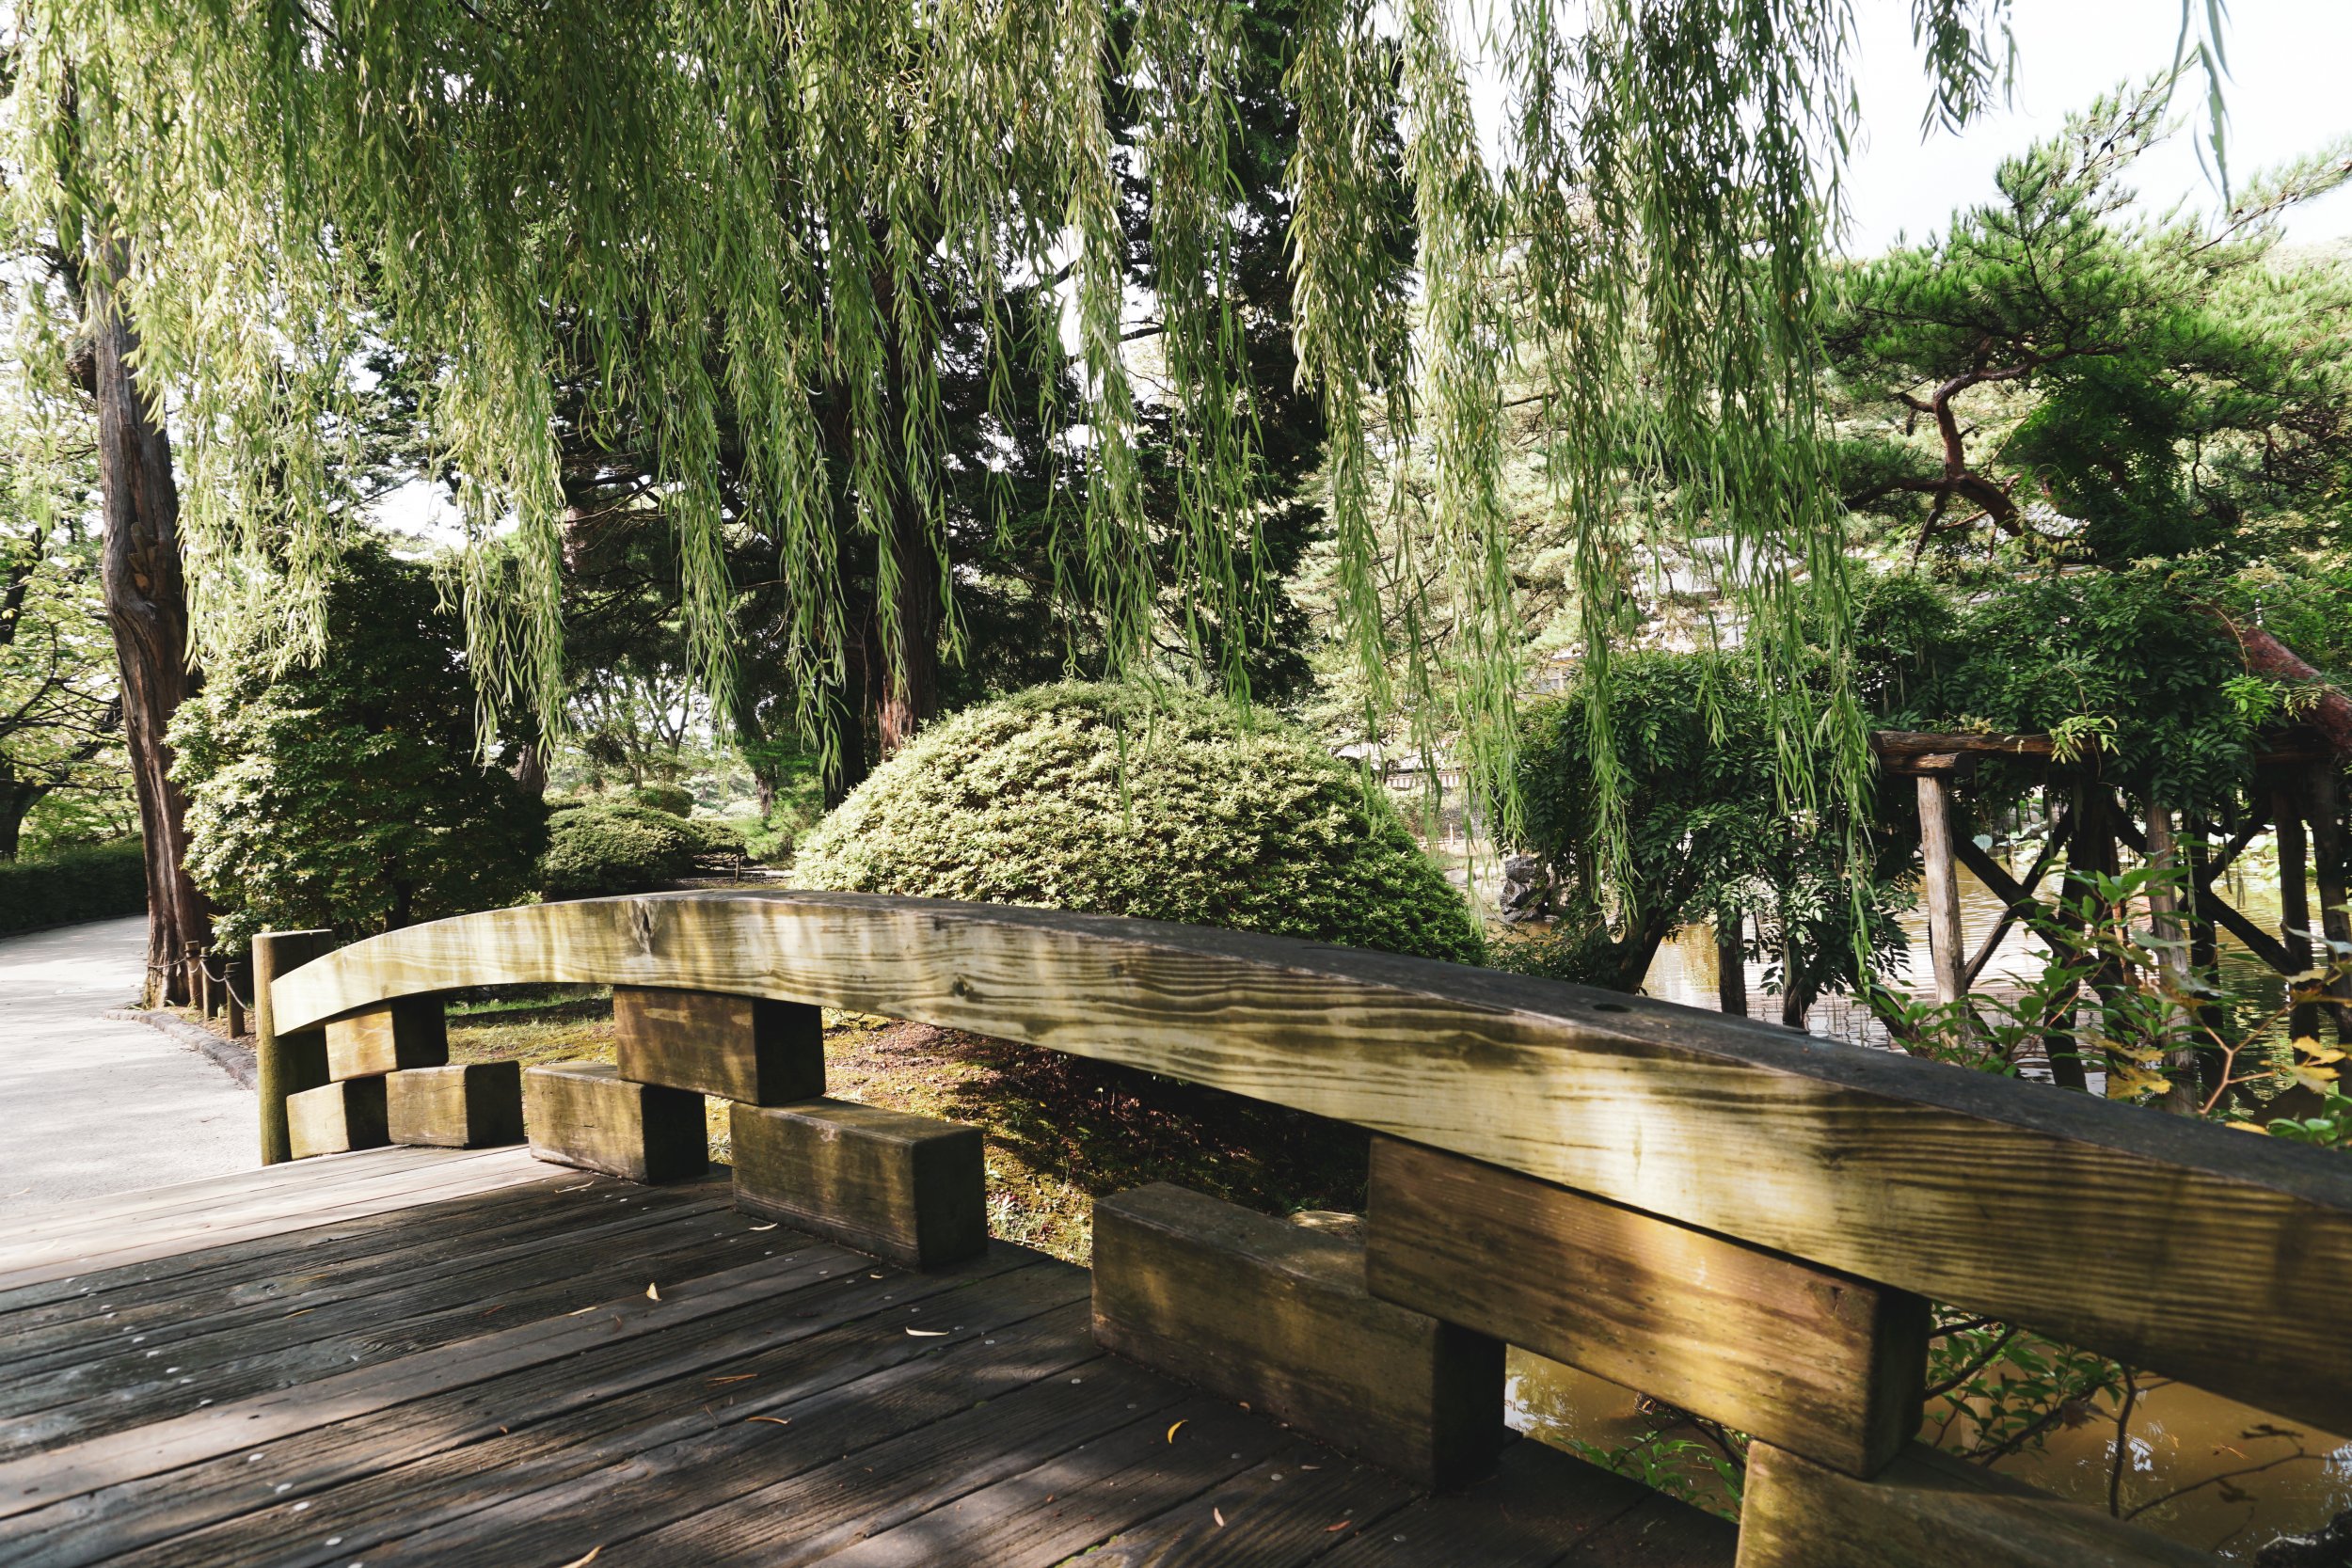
(102, 882)
(1173, 807)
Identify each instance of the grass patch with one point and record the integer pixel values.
(1061, 1130)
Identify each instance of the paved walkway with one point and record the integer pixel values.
(90, 1105)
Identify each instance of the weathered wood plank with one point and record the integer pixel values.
(747, 1049)
(41, 1479)
(2159, 1240)
(1928, 1510)
(496, 1168)
(1802, 1357)
(472, 1106)
(1530, 1514)
(1294, 1505)
(337, 1119)
(585, 1113)
(911, 1189)
(1276, 1315)
(168, 1299)
(409, 1032)
(553, 1431)
(1079, 1498)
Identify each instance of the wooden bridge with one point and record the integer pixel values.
(467, 1356)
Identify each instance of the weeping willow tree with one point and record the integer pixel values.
(702, 212)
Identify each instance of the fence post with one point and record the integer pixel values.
(285, 1064)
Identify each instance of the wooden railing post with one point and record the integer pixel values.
(287, 1063)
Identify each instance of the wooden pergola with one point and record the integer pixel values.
(2295, 792)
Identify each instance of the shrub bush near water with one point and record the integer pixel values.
(1165, 807)
(603, 847)
(101, 882)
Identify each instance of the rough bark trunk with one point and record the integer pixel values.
(907, 696)
(147, 608)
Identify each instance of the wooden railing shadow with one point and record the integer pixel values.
(1744, 1221)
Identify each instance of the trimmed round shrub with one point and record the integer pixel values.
(1212, 818)
(600, 849)
(669, 797)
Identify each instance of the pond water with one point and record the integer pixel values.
(2197, 1448)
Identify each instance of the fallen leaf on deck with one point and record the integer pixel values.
(582, 1312)
(778, 1420)
(584, 1562)
(1171, 1432)
(929, 1332)
(738, 1377)
(299, 1310)
(1218, 1515)
(769, 1226)
(1340, 1525)
(582, 1188)
(653, 1292)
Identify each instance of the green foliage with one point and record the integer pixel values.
(95, 882)
(664, 797)
(347, 794)
(2069, 379)
(1706, 834)
(2127, 663)
(1162, 806)
(599, 849)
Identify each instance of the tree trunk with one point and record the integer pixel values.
(907, 696)
(1731, 964)
(18, 797)
(2295, 900)
(147, 607)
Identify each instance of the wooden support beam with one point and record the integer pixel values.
(585, 1113)
(1901, 750)
(337, 1118)
(1276, 1315)
(1813, 1360)
(473, 1106)
(2018, 900)
(1928, 1511)
(911, 1189)
(2330, 872)
(409, 1033)
(2295, 903)
(289, 1063)
(2258, 941)
(1942, 890)
(742, 1047)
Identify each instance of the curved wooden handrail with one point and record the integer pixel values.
(2173, 1244)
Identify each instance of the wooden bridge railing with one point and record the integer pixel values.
(1736, 1218)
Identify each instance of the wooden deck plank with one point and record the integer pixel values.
(1081, 1495)
(1532, 1512)
(366, 1480)
(772, 1408)
(840, 1460)
(1296, 1504)
(464, 1234)
(479, 1172)
(131, 1386)
(308, 1176)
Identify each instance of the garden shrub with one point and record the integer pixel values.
(1164, 806)
(99, 881)
(601, 848)
(669, 797)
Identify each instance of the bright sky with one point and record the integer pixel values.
(2288, 94)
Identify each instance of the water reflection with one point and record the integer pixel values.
(2181, 1441)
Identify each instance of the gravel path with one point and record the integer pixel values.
(91, 1105)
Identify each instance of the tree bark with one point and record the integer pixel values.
(147, 608)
